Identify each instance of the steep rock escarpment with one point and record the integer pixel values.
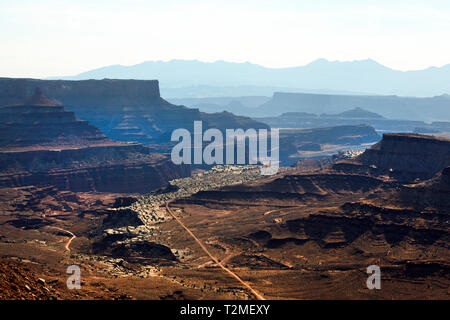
(81, 93)
(125, 110)
(40, 122)
(43, 144)
(69, 169)
(404, 157)
(354, 219)
(433, 193)
(292, 187)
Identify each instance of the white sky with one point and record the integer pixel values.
(57, 37)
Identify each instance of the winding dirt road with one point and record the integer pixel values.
(67, 246)
(216, 261)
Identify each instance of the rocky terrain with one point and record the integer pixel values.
(43, 144)
(404, 157)
(135, 220)
(42, 123)
(124, 110)
(115, 239)
(312, 232)
(44, 230)
(308, 232)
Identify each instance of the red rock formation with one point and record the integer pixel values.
(404, 157)
(125, 110)
(38, 99)
(431, 193)
(41, 143)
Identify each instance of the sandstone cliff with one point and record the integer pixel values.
(126, 110)
(43, 144)
(404, 157)
(82, 93)
(431, 193)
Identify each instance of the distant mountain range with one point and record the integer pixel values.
(180, 78)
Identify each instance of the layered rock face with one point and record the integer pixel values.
(405, 157)
(40, 122)
(431, 193)
(82, 93)
(126, 110)
(41, 144)
(408, 152)
(333, 222)
(123, 169)
(320, 228)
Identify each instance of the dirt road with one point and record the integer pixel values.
(67, 246)
(216, 261)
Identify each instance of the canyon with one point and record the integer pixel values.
(124, 110)
(140, 227)
(43, 144)
(307, 232)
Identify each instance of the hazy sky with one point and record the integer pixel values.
(56, 37)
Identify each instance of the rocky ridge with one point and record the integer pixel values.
(124, 110)
(43, 144)
(404, 157)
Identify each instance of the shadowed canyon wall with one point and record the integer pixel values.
(43, 144)
(126, 110)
